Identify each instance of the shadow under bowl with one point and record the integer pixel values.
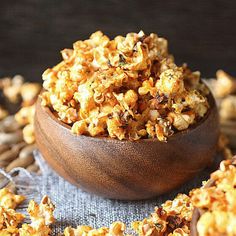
(127, 170)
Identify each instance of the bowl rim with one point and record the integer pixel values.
(67, 128)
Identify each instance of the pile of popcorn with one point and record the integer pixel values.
(218, 202)
(11, 221)
(172, 218)
(125, 88)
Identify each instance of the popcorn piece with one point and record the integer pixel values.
(80, 127)
(184, 231)
(225, 84)
(29, 92)
(12, 90)
(9, 200)
(180, 206)
(10, 231)
(116, 229)
(228, 108)
(28, 134)
(41, 218)
(80, 230)
(171, 82)
(42, 212)
(216, 223)
(39, 230)
(9, 218)
(25, 115)
(181, 121)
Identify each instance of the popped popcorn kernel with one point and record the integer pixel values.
(9, 200)
(116, 229)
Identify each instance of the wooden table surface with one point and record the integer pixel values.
(32, 32)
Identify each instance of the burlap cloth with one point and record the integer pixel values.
(74, 206)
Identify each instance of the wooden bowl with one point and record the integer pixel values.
(197, 213)
(128, 170)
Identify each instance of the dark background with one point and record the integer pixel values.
(32, 32)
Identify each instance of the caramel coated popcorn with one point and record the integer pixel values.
(12, 87)
(125, 88)
(116, 229)
(25, 116)
(41, 217)
(9, 200)
(218, 202)
(29, 93)
(172, 218)
(224, 89)
(9, 218)
(11, 222)
(224, 85)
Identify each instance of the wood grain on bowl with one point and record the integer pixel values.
(125, 169)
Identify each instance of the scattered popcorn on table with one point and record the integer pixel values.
(125, 88)
(116, 229)
(11, 222)
(41, 218)
(172, 218)
(9, 218)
